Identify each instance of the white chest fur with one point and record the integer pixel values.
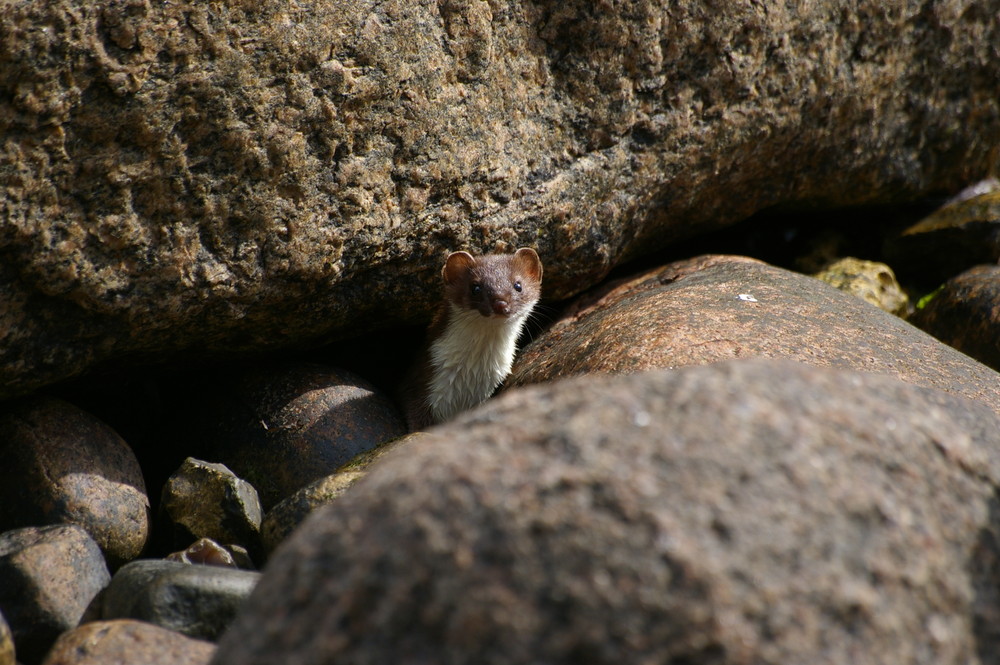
(470, 359)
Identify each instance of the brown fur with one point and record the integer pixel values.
(497, 297)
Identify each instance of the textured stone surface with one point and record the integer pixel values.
(284, 517)
(282, 427)
(719, 307)
(198, 601)
(48, 577)
(204, 551)
(231, 176)
(208, 501)
(744, 512)
(127, 642)
(871, 281)
(965, 314)
(63, 465)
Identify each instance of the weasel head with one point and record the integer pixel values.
(499, 286)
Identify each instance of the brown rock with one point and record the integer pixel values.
(282, 427)
(965, 314)
(62, 465)
(126, 642)
(48, 577)
(205, 551)
(216, 178)
(284, 517)
(744, 512)
(715, 308)
(208, 500)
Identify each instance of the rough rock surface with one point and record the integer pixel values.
(238, 176)
(871, 281)
(63, 465)
(283, 426)
(206, 551)
(965, 314)
(745, 512)
(208, 500)
(48, 577)
(196, 600)
(719, 307)
(284, 517)
(127, 642)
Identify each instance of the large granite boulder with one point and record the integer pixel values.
(231, 176)
(715, 307)
(744, 512)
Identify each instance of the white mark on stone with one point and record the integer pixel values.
(746, 297)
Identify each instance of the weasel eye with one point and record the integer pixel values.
(517, 286)
(476, 289)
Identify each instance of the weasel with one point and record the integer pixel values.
(472, 339)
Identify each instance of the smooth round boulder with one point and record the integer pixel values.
(717, 307)
(48, 578)
(283, 426)
(127, 642)
(63, 465)
(965, 314)
(755, 511)
(197, 600)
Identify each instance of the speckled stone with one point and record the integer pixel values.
(714, 308)
(205, 551)
(871, 281)
(226, 177)
(48, 577)
(63, 465)
(125, 642)
(754, 511)
(208, 500)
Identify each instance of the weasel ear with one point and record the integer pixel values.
(527, 262)
(457, 265)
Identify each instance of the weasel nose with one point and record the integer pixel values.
(501, 307)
